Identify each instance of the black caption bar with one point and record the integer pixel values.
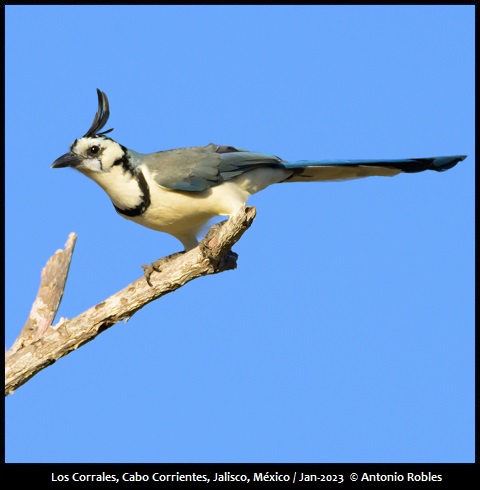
(186, 475)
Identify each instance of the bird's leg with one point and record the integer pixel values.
(158, 264)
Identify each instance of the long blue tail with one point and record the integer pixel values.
(309, 170)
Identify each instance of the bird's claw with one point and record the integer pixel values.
(158, 265)
(147, 272)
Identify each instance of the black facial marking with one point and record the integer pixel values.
(124, 161)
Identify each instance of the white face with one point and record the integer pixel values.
(98, 153)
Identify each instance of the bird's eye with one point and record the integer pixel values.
(94, 149)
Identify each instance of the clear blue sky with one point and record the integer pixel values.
(347, 332)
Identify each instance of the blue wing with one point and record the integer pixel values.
(198, 168)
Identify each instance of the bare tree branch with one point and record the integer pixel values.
(52, 284)
(41, 344)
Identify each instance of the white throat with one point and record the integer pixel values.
(121, 186)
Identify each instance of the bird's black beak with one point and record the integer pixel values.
(67, 160)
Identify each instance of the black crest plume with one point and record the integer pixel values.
(101, 117)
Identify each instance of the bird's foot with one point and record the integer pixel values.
(225, 262)
(210, 239)
(158, 265)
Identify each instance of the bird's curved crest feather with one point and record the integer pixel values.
(101, 117)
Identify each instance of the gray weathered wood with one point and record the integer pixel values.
(45, 307)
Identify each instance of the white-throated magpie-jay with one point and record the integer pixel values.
(178, 191)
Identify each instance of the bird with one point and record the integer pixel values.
(179, 191)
